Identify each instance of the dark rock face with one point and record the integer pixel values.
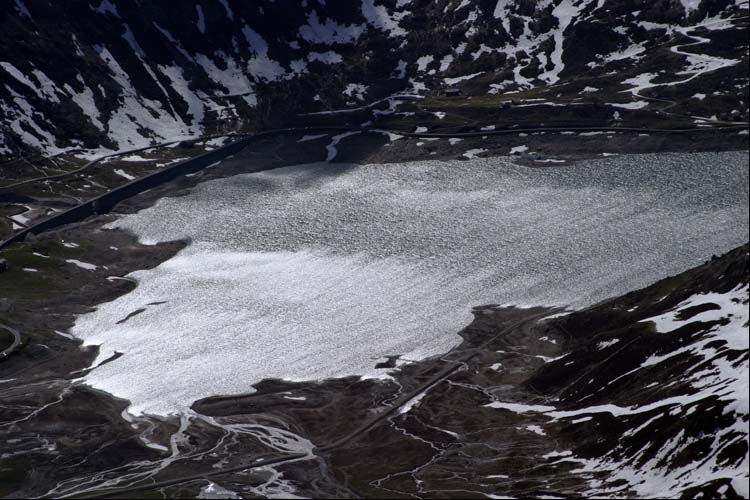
(119, 73)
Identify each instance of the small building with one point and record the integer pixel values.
(3, 265)
(453, 93)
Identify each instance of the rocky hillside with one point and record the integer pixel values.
(122, 73)
(654, 390)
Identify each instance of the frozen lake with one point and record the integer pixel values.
(318, 271)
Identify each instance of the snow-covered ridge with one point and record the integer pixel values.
(158, 73)
(664, 394)
(718, 376)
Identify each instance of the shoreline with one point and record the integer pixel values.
(164, 251)
(103, 203)
(147, 396)
(73, 356)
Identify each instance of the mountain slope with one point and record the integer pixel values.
(660, 377)
(121, 73)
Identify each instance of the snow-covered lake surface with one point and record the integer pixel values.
(318, 271)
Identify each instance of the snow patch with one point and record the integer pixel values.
(107, 7)
(356, 90)
(379, 17)
(311, 137)
(201, 21)
(82, 265)
(331, 148)
(124, 174)
(22, 9)
(329, 32)
(607, 343)
(458, 79)
(473, 153)
(629, 105)
(565, 12)
(329, 57)
(423, 62)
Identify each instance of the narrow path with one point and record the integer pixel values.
(677, 49)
